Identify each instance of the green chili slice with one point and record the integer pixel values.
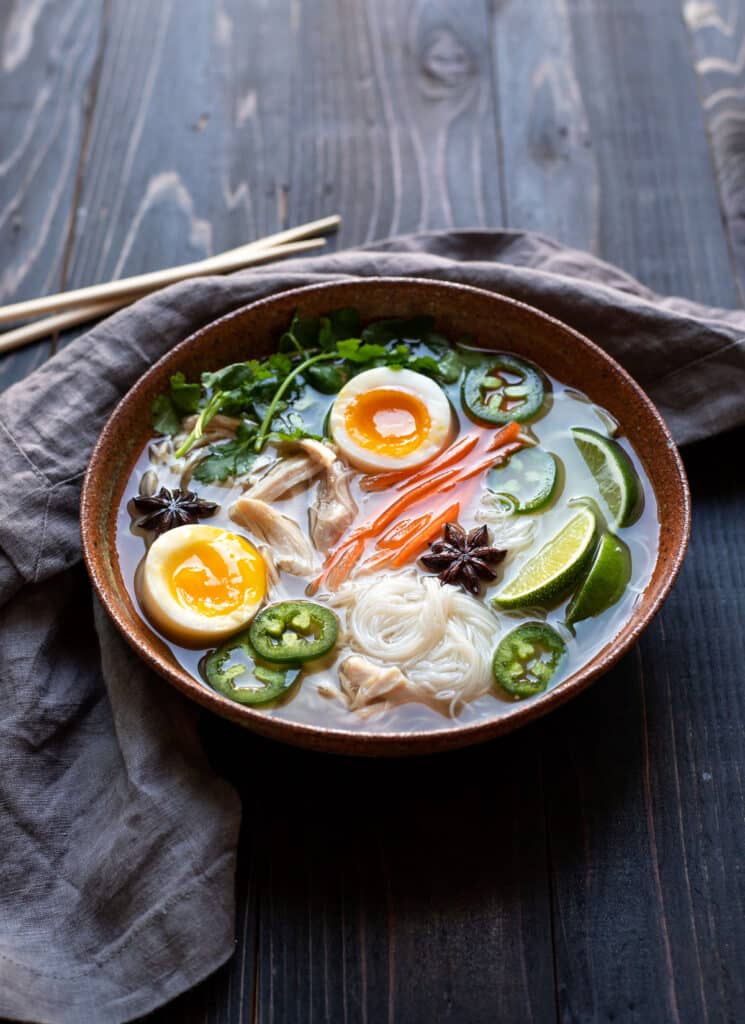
(235, 671)
(530, 480)
(527, 658)
(504, 388)
(294, 631)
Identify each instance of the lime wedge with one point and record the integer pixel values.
(605, 582)
(617, 480)
(547, 575)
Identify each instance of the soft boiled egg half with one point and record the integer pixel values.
(199, 584)
(390, 419)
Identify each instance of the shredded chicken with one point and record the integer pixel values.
(292, 471)
(333, 508)
(283, 476)
(291, 550)
(365, 683)
(322, 453)
(272, 573)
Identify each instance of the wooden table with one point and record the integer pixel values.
(591, 867)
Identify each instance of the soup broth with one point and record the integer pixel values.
(317, 698)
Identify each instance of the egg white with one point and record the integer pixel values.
(416, 384)
(179, 622)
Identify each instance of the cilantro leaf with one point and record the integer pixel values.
(228, 378)
(426, 365)
(184, 396)
(382, 332)
(355, 351)
(164, 417)
(345, 323)
(232, 458)
(302, 334)
(325, 378)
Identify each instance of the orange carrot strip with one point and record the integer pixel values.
(378, 560)
(418, 543)
(442, 481)
(456, 451)
(504, 436)
(489, 459)
(392, 511)
(401, 531)
(331, 560)
(344, 565)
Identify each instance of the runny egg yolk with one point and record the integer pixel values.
(388, 421)
(216, 578)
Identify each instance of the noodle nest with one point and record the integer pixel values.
(441, 638)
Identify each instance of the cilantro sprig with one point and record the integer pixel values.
(320, 352)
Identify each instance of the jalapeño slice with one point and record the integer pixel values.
(504, 388)
(235, 671)
(530, 480)
(294, 631)
(527, 658)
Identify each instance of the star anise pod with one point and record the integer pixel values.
(465, 558)
(167, 509)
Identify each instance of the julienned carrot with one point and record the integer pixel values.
(458, 450)
(392, 511)
(418, 543)
(392, 541)
(489, 459)
(400, 532)
(442, 481)
(344, 565)
(508, 433)
(378, 560)
(339, 563)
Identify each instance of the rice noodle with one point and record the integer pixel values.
(508, 530)
(441, 638)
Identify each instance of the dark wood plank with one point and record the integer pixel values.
(637, 888)
(717, 32)
(404, 890)
(657, 202)
(48, 75)
(551, 174)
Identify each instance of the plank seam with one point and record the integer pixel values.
(95, 81)
(729, 241)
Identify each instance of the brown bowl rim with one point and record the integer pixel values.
(397, 743)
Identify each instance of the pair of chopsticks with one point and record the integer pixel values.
(84, 304)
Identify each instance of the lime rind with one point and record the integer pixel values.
(617, 481)
(547, 576)
(605, 582)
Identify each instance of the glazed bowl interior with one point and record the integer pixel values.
(490, 321)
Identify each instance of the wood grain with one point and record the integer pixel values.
(717, 32)
(48, 72)
(658, 208)
(551, 177)
(405, 890)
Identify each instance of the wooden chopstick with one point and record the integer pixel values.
(50, 325)
(245, 256)
(279, 244)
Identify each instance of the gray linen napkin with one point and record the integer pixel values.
(117, 839)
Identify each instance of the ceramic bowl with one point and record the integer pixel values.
(493, 321)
